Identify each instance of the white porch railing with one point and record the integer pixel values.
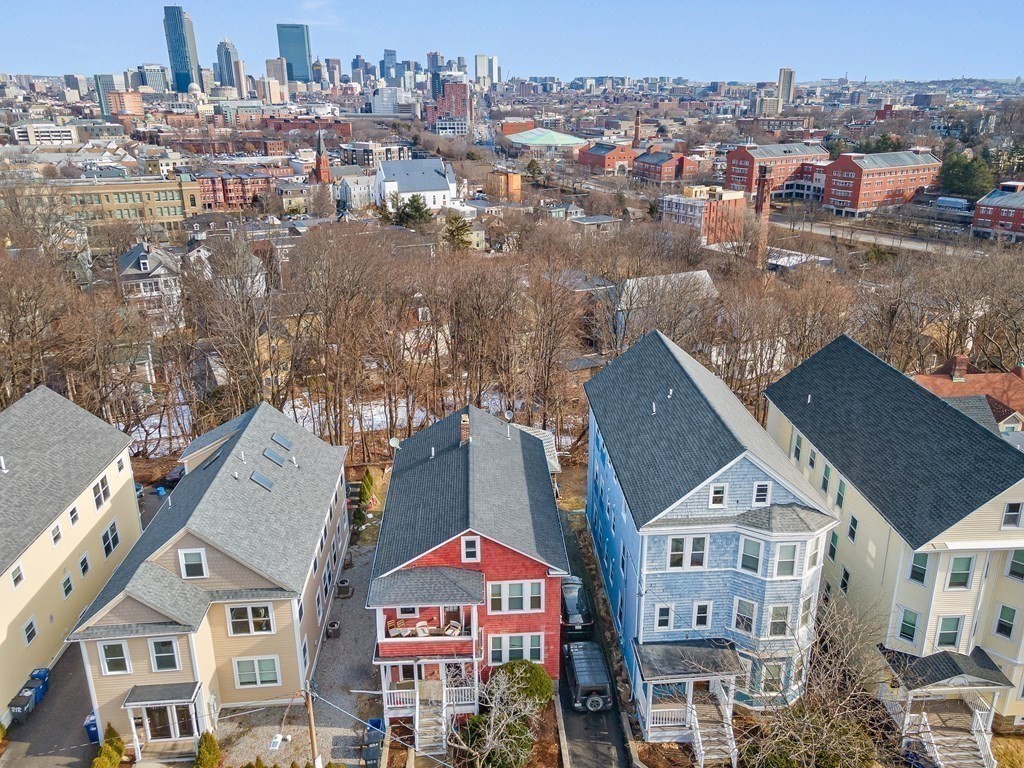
(724, 700)
(400, 698)
(983, 711)
(672, 716)
(698, 745)
(919, 726)
(461, 696)
(897, 709)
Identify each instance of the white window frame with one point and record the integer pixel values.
(780, 678)
(120, 464)
(256, 668)
(305, 655)
(67, 579)
(899, 625)
(812, 458)
(319, 609)
(152, 654)
(813, 559)
(736, 613)
(927, 568)
(687, 553)
(505, 646)
(1019, 513)
(103, 658)
(35, 631)
(202, 555)
(693, 618)
(56, 535)
(779, 560)
(1009, 565)
(249, 607)
(106, 532)
(101, 492)
(658, 608)
(475, 541)
(767, 485)
(970, 573)
(73, 516)
(17, 576)
(849, 577)
(851, 529)
(88, 565)
(760, 555)
(787, 632)
(712, 494)
(833, 546)
(527, 596)
(407, 612)
(998, 619)
(959, 631)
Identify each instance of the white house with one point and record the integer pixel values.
(431, 178)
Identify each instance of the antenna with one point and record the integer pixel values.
(808, 399)
(295, 462)
(3, 466)
(670, 393)
(431, 451)
(236, 475)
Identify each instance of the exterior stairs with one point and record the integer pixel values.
(958, 749)
(716, 733)
(431, 729)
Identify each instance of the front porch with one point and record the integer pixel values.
(163, 719)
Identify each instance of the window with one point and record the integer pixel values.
(908, 625)
(257, 672)
(676, 552)
(826, 475)
(771, 678)
(701, 615)
(516, 597)
(698, 549)
(778, 626)
(960, 572)
(250, 620)
(919, 568)
(1004, 622)
(682, 551)
(83, 563)
(841, 494)
(813, 552)
(851, 530)
(750, 555)
(663, 617)
(110, 540)
(101, 492)
(471, 549)
(744, 618)
(833, 542)
(812, 458)
(807, 611)
(114, 658)
(319, 609)
(949, 632)
(193, 563)
(844, 580)
(120, 462)
(717, 496)
(73, 516)
(785, 563)
(1016, 565)
(762, 494)
(408, 612)
(514, 647)
(163, 654)
(305, 654)
(1011, 515)
(798, 447)
(17, 576)
(67, 586)
(301, 609)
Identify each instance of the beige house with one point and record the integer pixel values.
(224, 600)
(930, 542)
(68, 517)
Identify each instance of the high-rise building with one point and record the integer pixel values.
(181, 48)
(787, 85)
(76, 83)
(318, 72)
(486, 70)
(277, 69)
(156, 77)
(435, 61)
(389, 63)
(293, 45)
(104, 84)
(206, 79)
(227, 55)
(333, 72)
(239, 79)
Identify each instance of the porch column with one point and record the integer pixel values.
(649, 695)
(906, 712)
(135, 734)
(195, 724)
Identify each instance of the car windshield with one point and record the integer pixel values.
(575, 603)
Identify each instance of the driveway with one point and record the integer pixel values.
(53, 736)
(593, 739)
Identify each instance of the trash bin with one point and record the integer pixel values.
(43, 673)
(37, 687)
(334, 629)
(371, 756)
(374, 732)
(91, 729)
(21, 706)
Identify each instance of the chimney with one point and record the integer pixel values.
(464, 429)
(763, 209)
(636, 131)
(960, 363)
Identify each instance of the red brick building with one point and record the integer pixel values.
(608, 158)
(790, 164)
(224, 191)
(467, 571)
(663, 167)
(856, 184)
(1000, 213)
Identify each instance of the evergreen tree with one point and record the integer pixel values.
(533, 168)
(456, 232)
(413, 211)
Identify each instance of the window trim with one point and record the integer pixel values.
(88, 565)
(106, 532)
(202, 555)
(504, 637)
(999, 618)
(826, 479)
(851, 529)
(736, 613)
(249, 606)
(959, 631)
(788, 632)
(917, 625)
(1020, 515)
(35, 630)
(760, 555)
(414, 615)
(658, 607)
(841, 491)
(754, 503)
(778, 559)
(475, 540)
(1009, 565)
(813, 551)
(103, 658)
(101, 489)
(833, 546)
(927, 568)
(711, 495)
(844, 575)
(56, 535)
(256, 668)
(152, 654)
(67, 592)
(970, 574)
(687, 553)
(17, 582)
(693, 617)
(504, 610)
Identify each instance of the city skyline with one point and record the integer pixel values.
(594, 47)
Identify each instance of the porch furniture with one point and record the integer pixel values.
(398, 628)
(421, 629)
(453, 629)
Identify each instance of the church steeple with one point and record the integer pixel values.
(322, 165)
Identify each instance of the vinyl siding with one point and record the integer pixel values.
(225, 572)
(984, 526)
(309, 626)
(128, 610)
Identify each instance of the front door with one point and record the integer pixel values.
(183, 720)
(158, 723)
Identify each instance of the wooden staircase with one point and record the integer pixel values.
(716, 736)
(431, 727)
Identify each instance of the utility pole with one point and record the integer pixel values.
(308, 696)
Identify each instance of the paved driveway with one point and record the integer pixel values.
(54, 737)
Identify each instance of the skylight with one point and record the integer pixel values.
(262, 480)
(274, 456)
(281, 440)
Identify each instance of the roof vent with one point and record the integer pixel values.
(3, 466)
(654, 408)
(464, 429)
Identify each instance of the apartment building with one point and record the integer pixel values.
(790, 164)
(148, 199)
(370, 154)
(1000, 213)
(710, 546)
(716, 213)
(930, 545)
(227, 191)
(664, 167)
(223, 602)
(504, 185)
(149, 279)
(68, 517)
(31, 132)
(856, 184)
(432, 179)
(605, 158)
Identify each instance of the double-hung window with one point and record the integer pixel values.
(812, 459)
(1005, 621)
(110, 539)
(785, 560)
(56, 535)
(949, 632)
(1011, 515)
(717, 495)
(193, 563)
(826, 475)
(908, 625)
(471, 549)
(250, 620)
(844, 580)
(701, 615)
(163, 654)
(663, 617)
(851, 530)
(743, 621)
(1015, 567)
(514, 647)
(833, 543)
(750, 555)
(762, 494)
(778, 626)
(101, 492)
(798, 447)
(813, 552)
(687, 553)
(257, 672)
(516, 596)
(919, 568)
(114, 659)
(841, 494)
(960, 572)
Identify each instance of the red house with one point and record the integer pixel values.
(608, 158)
(467, 571)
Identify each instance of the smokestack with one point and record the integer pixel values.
(636, 131)
(763, 208)
(960, 363)
(464, 429)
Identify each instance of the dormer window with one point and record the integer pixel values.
(144, 265)
(762, 494)
(471, 549)
(193, 563)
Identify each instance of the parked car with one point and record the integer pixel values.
(140, 491)
(577, 617)
(587, 677)
(174, 476)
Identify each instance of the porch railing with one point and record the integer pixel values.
(461, 696)
(724, 699)
(400, 698)
(698, 744)
(920, 727)
(983, 712)
(897, 710)
(674, 716)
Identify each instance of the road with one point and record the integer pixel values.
(594, 740)
(845, 233)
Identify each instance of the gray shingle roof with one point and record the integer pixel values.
(977, 407)
(681, 658)
(919, 461)
(162, 693)
(54, 450)
(696, 428)
(771, 151)
(921, 671)
(777, 518)
(497, 485)
(881, 160)
(433, 585)
(162, 262)
(426, 175)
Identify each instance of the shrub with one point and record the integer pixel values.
(107, 758)
(535, 682)
(112, 738)
(208, 755)
(366, 489)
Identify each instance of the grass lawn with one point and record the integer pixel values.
(1008, 750)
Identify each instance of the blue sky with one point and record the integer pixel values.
(879, 39)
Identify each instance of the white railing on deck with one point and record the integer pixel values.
(895, 708)
(919, 725)
(461, 696)
(698, 745)
(980, 707)
(672, 716)
(402, 698)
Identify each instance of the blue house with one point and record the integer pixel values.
(710, 543)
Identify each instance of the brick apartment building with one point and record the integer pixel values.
(663, 167)
(605, 158)
(716, 213)
(224, 191)
(774, 124)
(1000, 213)
(856, 184)
(790, 164)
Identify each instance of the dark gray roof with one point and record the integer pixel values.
(921, 671)
(497, 485)
(920, 462)
(786, 150)
(433, 585)
(683, 658)
(162, 693)
(53, 450)
(1000, 198)
(895, 160)
(777, 518)
(654, 158)
(162, 262)
(696, 427)
(154, 629)
(977, 407)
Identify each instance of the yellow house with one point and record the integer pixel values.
(224, 600)
(68, 517)
(930, 542)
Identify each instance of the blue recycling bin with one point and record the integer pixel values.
(36, 687)
(43, 673)
(91, 729)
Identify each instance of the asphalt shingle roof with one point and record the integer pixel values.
(977, 407)
(440, 585)
(786, 150)
(881, 160)
(161, 693)
(53, 450)
(921, 671)
(919, 461)
(498, 485)
(426, 175)
(696, 427)
(681, 658)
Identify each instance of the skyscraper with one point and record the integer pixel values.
(787, 85)
(277, 69)
(241, 81)
(104, 84)
(227, 55)
(388, 63)
(181, 48)
(293, 45)
(333, 72)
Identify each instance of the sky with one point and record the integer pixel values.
(737, 40)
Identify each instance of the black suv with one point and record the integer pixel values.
(587, 677)
(577, 618)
